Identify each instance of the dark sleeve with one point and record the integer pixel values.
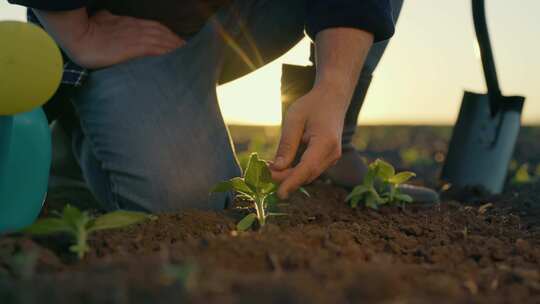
(374, 16)
(54, 5)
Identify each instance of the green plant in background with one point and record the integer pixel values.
(21, 265)
(415, 157)
(80, 225)
(380, 187)
(256, 186)
(522, 175)
(182, 274)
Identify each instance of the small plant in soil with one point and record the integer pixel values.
(183, 275)
(21, 265)
(380, 187)
(256, 186)
(80, 225)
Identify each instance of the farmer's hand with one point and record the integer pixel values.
(317, 121)
(105, 39)
(317, 118)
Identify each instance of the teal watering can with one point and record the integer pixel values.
(6, 124)
(30, 71)
(25, 159)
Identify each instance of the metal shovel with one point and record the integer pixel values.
(486, 130)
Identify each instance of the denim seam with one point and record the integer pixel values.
(112, 185)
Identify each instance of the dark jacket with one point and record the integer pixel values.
(374, 16)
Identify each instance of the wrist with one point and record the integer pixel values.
(338, 92)
(340, 54)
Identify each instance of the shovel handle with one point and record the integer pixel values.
(486, 53)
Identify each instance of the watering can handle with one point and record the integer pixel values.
(486, 53)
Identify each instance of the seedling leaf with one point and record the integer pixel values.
(369, 179)
(404, 198)
(257, 173)
(71, 213)
(246, 222)
(47, 226)
(304, 191)
(271, 200)
(357, 191)
(371, 202)
(354, 201)
(401, 177)
(256, 186)
(80, 249)
(380, 186)
(79, 225)
(239, 185)
(384, 170)
(74, 217)
(183, 275)
(118, 219)
(223, 187)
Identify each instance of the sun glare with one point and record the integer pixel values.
(256, 99)
(422, 76)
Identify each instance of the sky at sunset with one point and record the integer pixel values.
(430, 62)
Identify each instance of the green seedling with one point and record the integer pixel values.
(21, 265)
(415, 157)
(522, 175)
(256, 186)
(183, 275)
(380, 187)
(80, 225)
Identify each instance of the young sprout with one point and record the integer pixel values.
(80, 225)
(183, 275)
(22, 265)
(380, 187)
(256, 186)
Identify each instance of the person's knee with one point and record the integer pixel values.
(164, 186)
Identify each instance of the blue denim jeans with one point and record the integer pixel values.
(152, 136)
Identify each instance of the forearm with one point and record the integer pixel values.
(67, 27)
(340, 55)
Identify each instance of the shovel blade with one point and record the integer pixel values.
(482, 144)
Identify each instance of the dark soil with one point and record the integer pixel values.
(483, 251)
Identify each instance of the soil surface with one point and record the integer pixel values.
(471, 248)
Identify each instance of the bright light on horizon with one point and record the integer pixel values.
(421, 79)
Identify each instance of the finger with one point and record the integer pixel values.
(161, 29)
(302, 172)
(296, 178)
(157, 40)
(141, 50)
(291, 136)
(162, 36)
(317, 158)
(279, 176)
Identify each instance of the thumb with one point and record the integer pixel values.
(291, 135)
